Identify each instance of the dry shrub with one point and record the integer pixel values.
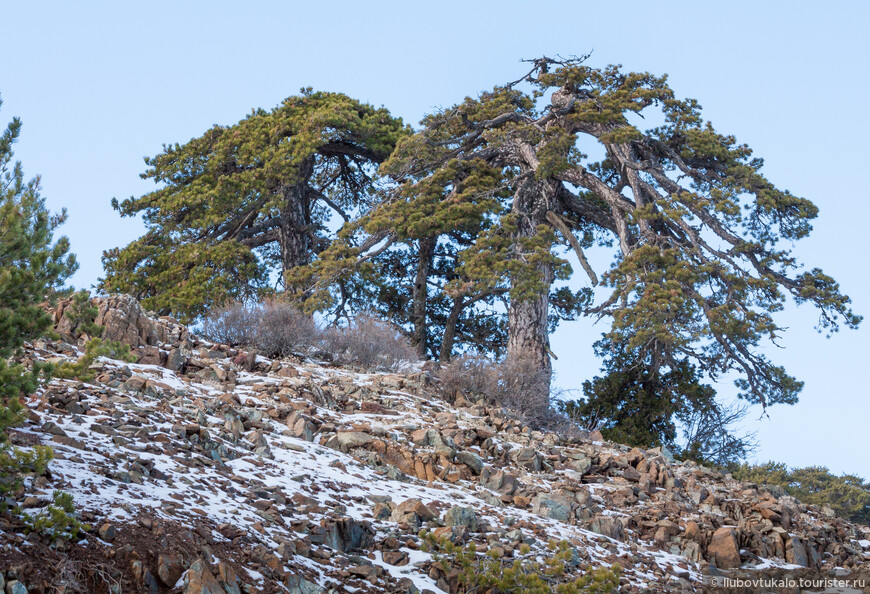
(471, 375)
(369, 343)
(235, 325)
(516, 386)
(272, 327)
(283, 329)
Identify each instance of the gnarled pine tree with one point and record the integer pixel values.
(699, 268)
(245, 203)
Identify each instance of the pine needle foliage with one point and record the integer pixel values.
(527, 573)
(33, 269)
(241, 205)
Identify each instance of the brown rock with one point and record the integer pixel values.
(412, 507)
(169, 568)
(396, 558)
(723, 549)
(199, 580)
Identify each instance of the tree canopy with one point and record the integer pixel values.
(465, 236)
(242, 204)
(700, 263)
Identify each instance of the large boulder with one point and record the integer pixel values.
(200, 580)
(723, 549)
(124, 320)
(461, 516)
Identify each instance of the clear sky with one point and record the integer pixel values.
(99, 85)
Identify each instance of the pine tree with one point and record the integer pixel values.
(241, 205)
(699, 268)
(33, 269)
(401, 260)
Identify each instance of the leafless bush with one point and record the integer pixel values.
(369, 343)
(234, 325)
(469, 375)
(519, 387)
(272, 327)
(283, 329)
(525, 389)
(67, 576)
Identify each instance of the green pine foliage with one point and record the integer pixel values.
(526, 573)
(848, 495)
(700, 237)
(33, 269)
(82, 314)
(58, 520)
(639, 401)
(241, 205)
(95, 347)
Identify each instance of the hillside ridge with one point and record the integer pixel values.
(205, 468)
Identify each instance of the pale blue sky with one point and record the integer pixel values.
(99, 85)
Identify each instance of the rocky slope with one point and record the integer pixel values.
(206, 469)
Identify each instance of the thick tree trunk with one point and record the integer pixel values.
(294, 229)
(420, 296)
(528, 345)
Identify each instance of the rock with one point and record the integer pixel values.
(581, 465)
(528, 458)
(150, 583)
(426, 437)
(228, 578)
(123, 320)
(362, 571)
(398, 558)
(498, 480)
(169, 568)
(723, 549)
(347, 534)
(301, 427)
(608, 526)
(176, 361)
(298, 585)
(552, 505)
(796, 553)
(471, 460)
(461, 516)
(382, 510)
(15, 587)
(53, 429)
(199, 580)
(107, 532)
(412, 511)
(348, 440)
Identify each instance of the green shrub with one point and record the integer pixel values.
(57, 520)
(848, 495)
(16, 463)
(525, 574)
(96, 347)
(82, 314)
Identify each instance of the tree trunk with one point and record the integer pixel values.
(420, 295)
(450, 329)
(528, 345)
(294, 229)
